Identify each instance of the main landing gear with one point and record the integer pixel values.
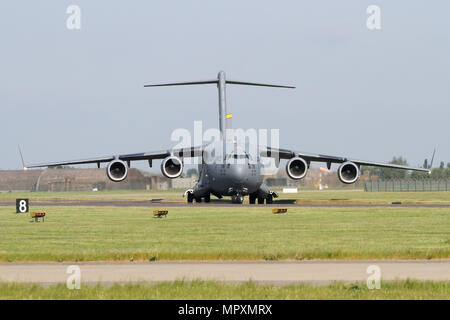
(191, 198)
(254, 197)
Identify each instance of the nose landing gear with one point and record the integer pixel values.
(237, 198)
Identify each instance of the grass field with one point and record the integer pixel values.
(113, 233)
(343, 197)
(210, 290)
(328, 197)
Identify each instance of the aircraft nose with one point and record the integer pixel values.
(236, 173)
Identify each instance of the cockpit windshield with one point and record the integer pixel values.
(238, 156)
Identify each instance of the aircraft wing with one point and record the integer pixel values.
(311, 157)
(181, 152)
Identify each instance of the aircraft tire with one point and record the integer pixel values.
(208, 198)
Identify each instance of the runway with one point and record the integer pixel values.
(278, 273)
(222, 203)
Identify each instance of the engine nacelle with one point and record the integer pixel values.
(348, 172)
(172, 167)
(117, 170)
(296, 168)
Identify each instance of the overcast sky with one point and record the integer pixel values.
(368, 94)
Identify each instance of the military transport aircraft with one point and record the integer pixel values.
(232, 171)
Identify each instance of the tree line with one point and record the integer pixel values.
(441, 172)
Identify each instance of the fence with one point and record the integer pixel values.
(407, 185)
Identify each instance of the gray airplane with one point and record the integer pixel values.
(230, 171)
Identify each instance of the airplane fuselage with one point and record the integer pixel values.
(236, 175)
(230, 179)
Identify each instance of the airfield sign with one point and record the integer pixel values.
(22, 205)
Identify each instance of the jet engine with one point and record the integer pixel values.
(348, 172)
(172, 167)
(117, 170)
(296, 168)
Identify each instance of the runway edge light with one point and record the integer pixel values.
(37, 215)
(160, 213)
(279, 211)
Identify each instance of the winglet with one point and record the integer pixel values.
(432, 159)
(21, 158)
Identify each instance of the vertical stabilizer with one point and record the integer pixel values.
(221, 85)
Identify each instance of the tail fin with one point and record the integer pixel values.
(221, 83)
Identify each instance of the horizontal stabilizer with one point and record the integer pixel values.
(180, 83)
(217, 81)
(258, 84)
(221, 82)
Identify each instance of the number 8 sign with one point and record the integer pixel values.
(22, 205)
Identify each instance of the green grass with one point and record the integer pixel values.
(338, 196)
(114, 233)
(172, 194)
(211, 290)
(438, 197)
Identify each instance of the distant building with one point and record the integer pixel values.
(19, 180)
(184, 183)
(76, 180)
